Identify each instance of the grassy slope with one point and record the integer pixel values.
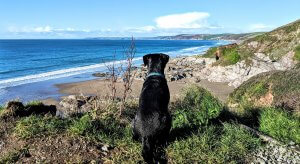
(194, 136)
(274, 44)
(272, 99)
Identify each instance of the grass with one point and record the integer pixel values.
(34, 103)
(106, 130)
(1, 111)
(194, 136)
(283, 85)
(14, 156)
(280, 117)
(210, 53)
(297, 53)
(280, 125)
(197, 107)
(214, 144)
(34, 126)
(230, 56)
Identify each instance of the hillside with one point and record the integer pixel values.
(274, 44)
(275, 50)
(226, 36)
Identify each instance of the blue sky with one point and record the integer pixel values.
(102, 18)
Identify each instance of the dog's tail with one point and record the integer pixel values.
(148, 150)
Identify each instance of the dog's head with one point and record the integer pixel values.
(156, 62)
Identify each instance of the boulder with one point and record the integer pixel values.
(74, 105)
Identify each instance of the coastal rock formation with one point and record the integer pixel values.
(240, 72)
(197, 68)
(74, 105)
(180, 68)
(277, 89)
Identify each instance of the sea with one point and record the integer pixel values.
(29, 69)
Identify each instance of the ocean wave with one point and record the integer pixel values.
(188, 51)
(56, 74)
(93, 68)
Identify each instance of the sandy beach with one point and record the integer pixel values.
(100, 87)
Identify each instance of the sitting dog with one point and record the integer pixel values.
(152, 122)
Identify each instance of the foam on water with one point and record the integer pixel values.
(56, 74)
(91, 68)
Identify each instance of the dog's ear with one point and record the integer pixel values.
(165, 58)
(146, 59)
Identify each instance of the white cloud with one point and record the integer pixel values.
(191, 22)
(184, 21)
(44, 29)
(259, 27)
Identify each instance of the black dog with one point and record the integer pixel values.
(152, 122)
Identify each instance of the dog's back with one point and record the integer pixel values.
(152, 123)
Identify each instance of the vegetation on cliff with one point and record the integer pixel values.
(274, 44)
(273, 101)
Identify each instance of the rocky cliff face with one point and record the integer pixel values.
(267, 52)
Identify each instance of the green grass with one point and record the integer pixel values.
(214, 144)
(283, 85)
(210, 53)
(230, 56)
(280, 125)
(297, 53)
(34, 126)
(197, 108)
(34, 103)
(13, 157)
(194, 137)
(106, 130)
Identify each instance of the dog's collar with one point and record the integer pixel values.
(155, 74)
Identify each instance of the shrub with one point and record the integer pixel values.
(280, 125)
(297, 53)
(197, 108)
(34, 125)
(210, 53)
(230, 56)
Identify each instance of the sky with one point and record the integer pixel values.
(67, 19)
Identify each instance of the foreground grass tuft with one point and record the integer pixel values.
(214, 144)
(106, 130)
(14, 156)
(196, 108)
(280, 125)
(35, 125)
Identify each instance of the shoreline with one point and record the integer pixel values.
(54, 90)
(99, 87)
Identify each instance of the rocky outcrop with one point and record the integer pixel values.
(180, 68)
(240, 72)
(197, 68)
(73, 105)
